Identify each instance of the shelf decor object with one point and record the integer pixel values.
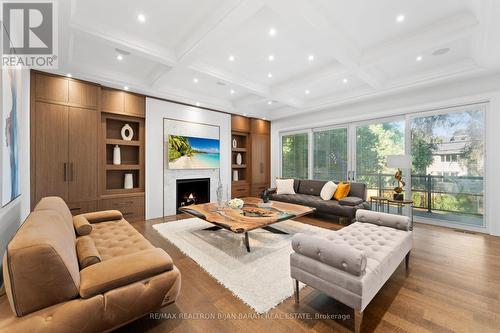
(235, 143)
(239, 159)
(117, 156)
(129, 181)
(235, 176)
(127, 132)
(399, 162)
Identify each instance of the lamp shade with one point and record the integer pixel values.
(399, 161)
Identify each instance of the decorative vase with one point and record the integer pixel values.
(239, 159)
(127, 133)
(235, 143)
(129, 181)
(219, 193)
(117, 156)
(235, 176)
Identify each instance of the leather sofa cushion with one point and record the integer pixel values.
(82, 225)
(350, 201)
(41, 263)
(117, 238)
(123, 270)
(103, 216)
(57, 204)
(86, 252)
(311, 187)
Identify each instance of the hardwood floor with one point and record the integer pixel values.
(453, 285)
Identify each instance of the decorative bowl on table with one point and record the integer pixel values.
(235, 203)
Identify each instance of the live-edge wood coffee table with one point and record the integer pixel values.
(250, 217)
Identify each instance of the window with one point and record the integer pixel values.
(330, 154)
(294, 156)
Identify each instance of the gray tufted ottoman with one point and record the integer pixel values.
(352, 264)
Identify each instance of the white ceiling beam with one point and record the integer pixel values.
(435, 35)
(324, 73)
(333, 40)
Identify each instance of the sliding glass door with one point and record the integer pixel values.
(330, 154)
(295, 155)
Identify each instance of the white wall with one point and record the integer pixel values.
(13, 214)
(159, 192)
(451, 94)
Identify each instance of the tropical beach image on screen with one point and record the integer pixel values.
(186, 152)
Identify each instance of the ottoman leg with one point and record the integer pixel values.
(407, 260)
(358, 318)
(296, 284)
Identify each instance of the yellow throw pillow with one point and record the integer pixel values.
(342, 191)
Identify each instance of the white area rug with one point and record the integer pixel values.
(261, 278)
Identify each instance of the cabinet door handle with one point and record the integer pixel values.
(65, 171)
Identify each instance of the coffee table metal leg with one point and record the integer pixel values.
(247, 243)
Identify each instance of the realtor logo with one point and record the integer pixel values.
(29, 34)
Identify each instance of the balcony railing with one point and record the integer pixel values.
(447, 194)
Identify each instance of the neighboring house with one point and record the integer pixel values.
(447, 157)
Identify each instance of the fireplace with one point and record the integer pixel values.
(192, 191)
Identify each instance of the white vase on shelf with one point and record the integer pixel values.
(239, 159)
(235, 143)
(127, 132)
(235, 175)
(129, 181)
(117, 156)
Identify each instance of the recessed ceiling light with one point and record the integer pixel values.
(244, 114)
(272, 32)
(307, 92)
(269, 75)
(197, 103)
(119, 57)
(344, 80)
(419, 58)
(442, 51)
(69, 75)
(271, 57)
(400, 18)
(126, 88)
(195, 80)
(231, 57)
(231, 91)
(269, 102)
(141, 18)
(310, 57)
(263, 118)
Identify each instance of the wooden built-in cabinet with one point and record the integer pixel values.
(74, 127)
(253, 143)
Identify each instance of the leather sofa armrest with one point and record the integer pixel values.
(102, 216)
(120, 271)
(340, 256)
(271, 190)
(383, 219)
(350, 201)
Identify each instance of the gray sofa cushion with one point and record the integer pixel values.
(383, 219)
(311, 187)
(350, 201)
(358, 190)
(340, 256)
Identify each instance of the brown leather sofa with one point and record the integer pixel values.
(58, 281)
(307, 193)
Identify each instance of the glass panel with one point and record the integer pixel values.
(294, 156)
(330, 154)
(373, 143)
(448, 166)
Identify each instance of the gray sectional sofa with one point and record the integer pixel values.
(308, 194)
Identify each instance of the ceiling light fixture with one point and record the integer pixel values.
(344, 80)
(231, 91)
(119, 57)
(419, 58)
(141, 18)
(400, 18)
(271, 57)
(307, 92)
(272, 32)
(269, 102)
(195, 80)
(269, 75)
(126, 88)
(197, 103)
(244, 114)
(69, 75)
(231, 57)
(310, 57)
(263, 118)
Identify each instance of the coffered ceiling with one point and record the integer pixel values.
(275, 58)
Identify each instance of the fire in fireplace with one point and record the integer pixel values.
(192, 191)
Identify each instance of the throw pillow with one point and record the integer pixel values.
(328, 190)
(284, 186)
(342, 190)
(87, 252)
(82, 225)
